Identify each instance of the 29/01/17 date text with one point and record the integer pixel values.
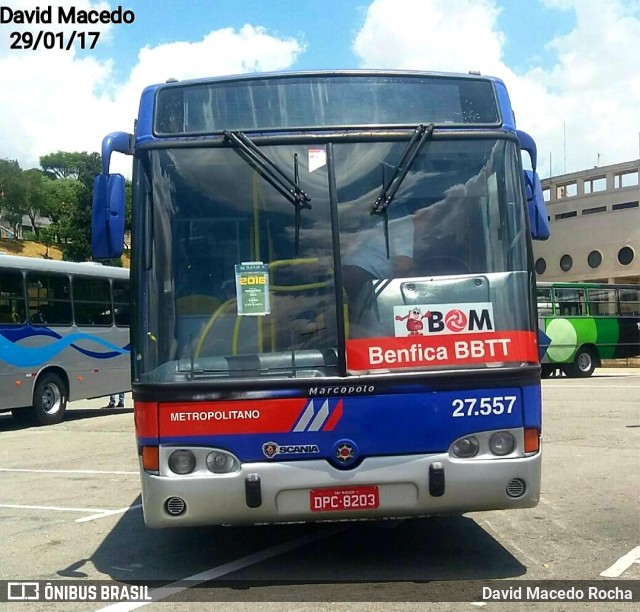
(63, 41)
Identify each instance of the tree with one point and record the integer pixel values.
(62, 197)
(13, 203)
(69, 199)
(62, 192)
(76, 226)
(35, 198)
(75, 165)
(47, 237)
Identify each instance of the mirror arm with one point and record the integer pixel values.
(120, 142)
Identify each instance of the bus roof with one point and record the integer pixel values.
(338, 99)
(88, 268)
(253, 76)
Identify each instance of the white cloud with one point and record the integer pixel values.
(46, 99)
(443, 35)
(54, 100)
(591, 94)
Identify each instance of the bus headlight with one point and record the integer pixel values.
(502, 443)
(466, 447)
(182, 462)
(220, 462)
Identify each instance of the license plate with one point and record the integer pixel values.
(344, 499)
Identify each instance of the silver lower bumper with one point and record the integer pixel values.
(403, 484)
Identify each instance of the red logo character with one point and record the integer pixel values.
(456, 320)
(414, 321)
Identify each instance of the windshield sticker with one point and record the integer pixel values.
(317, 159)
(252, 288)
(438, 319)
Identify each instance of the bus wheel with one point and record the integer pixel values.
(49, 400)
(583, 365)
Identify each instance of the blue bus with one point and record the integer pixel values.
(333, 296)
(64, 335)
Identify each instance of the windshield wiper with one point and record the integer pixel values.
(275, 176)
(389, 187)
(421, 134)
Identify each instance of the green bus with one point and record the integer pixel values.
(584, 323)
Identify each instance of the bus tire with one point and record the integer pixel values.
(584, 363)
(49, 400)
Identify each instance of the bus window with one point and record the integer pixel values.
(91, 300)
(630, 302)
(570, 302)
(121, 303)
(603, 302)
(12, 308)
(49, 298)
(545, 306)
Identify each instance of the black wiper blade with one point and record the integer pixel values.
(269, 170)
(271, 173)
(389, 188)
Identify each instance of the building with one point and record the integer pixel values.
(594, 216)
(6, 230)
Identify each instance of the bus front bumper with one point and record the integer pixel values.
(408, 486)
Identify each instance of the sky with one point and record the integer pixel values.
(571, 66)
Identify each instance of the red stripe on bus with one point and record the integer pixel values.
(441, 349)
(230, 417)
(145, 416)
(332, 421)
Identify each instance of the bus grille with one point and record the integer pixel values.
(175, 506)
(516, 488)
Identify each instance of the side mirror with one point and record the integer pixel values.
(107, 216)
(535, 199)
(536, 206)
(108, 206)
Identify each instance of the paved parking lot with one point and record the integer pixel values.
(70, 508)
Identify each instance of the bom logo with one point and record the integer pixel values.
(456, 321)
(436, 319)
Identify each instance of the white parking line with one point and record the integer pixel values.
(106, 513)
(106, 472)
(96, 513)
(623, 563)
(53, 508)
(221, 570)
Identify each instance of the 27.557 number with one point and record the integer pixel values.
(483, 406)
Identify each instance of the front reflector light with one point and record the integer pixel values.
(466, 447)
(502, 443)
(531, 440)
(182, 462)
(150, 458)
(220, 462)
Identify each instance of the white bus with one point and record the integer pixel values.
(64, 335)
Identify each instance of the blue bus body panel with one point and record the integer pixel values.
(376, 425)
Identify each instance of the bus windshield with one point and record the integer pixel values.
(243, 284)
